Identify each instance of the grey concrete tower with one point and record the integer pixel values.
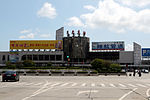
(60, 33)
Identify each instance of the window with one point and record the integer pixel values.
(3, 58)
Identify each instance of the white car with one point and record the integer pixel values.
(145, 71)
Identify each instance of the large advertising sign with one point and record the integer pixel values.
(146, 52)
(36, 44)
(117, 45)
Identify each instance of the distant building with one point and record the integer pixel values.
(76, 48)
(137, 54)
(60, 33)
(73, 49)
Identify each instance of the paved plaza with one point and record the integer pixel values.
(77, 88)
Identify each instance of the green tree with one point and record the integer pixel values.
(115, 67)
(13, 66)
(106, 66)
(19, 65)
(28, 63)
(10, 65)
(97, 64)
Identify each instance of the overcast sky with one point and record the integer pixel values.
(103, 20)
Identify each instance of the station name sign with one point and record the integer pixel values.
(117, 45)
(146, 52)
(36, 44)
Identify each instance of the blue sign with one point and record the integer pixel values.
(146, 52)
(117, 45)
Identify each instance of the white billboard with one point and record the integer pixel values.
(116, 45)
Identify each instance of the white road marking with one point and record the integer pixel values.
(103, 85)
(147, 92)
(127, 94)
(74, 84)
(88, 91)
(92, 84)
(112, 85)
(141, 85)
(84, 84)
(44, 86)
(55, 84)
(41, 90)
(132, 85)
(64, 84)
(122, 85)
(38, 84)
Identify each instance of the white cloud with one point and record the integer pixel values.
(47, 11)
(138, 3)
(114, 16)
(129, 47)
(28, 36)
(34, 33)
(75, 21)
(45, 35)
(25, 31)
(89, 7)
(22, 37)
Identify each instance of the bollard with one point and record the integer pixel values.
(62, 74)
(50, 74)
(37, 74)
(75, 74)
(24, 73)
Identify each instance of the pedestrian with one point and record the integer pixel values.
(134, 72)
(139, 73)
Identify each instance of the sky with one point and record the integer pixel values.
(103, 20)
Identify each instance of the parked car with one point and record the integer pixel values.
(123, 70)
(10, 75)
(145, 71)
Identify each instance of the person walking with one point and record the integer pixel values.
(134, 72)
(139, 73)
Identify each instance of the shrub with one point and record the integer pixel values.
(28, 63)
(19, 65)
(97, 64)
(106, 66)
(115, 67)
(12, 66)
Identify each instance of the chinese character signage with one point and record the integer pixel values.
(36, 44)
(146, 52)
(108, 45)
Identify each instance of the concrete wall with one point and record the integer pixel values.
(137, 54)
(2, 55)
(126, 57)
(76, 47)
(60, 33)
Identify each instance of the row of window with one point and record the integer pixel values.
(4, 57)
(42, 57)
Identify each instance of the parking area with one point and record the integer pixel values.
(77, 88)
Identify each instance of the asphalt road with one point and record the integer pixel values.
(77, 88)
